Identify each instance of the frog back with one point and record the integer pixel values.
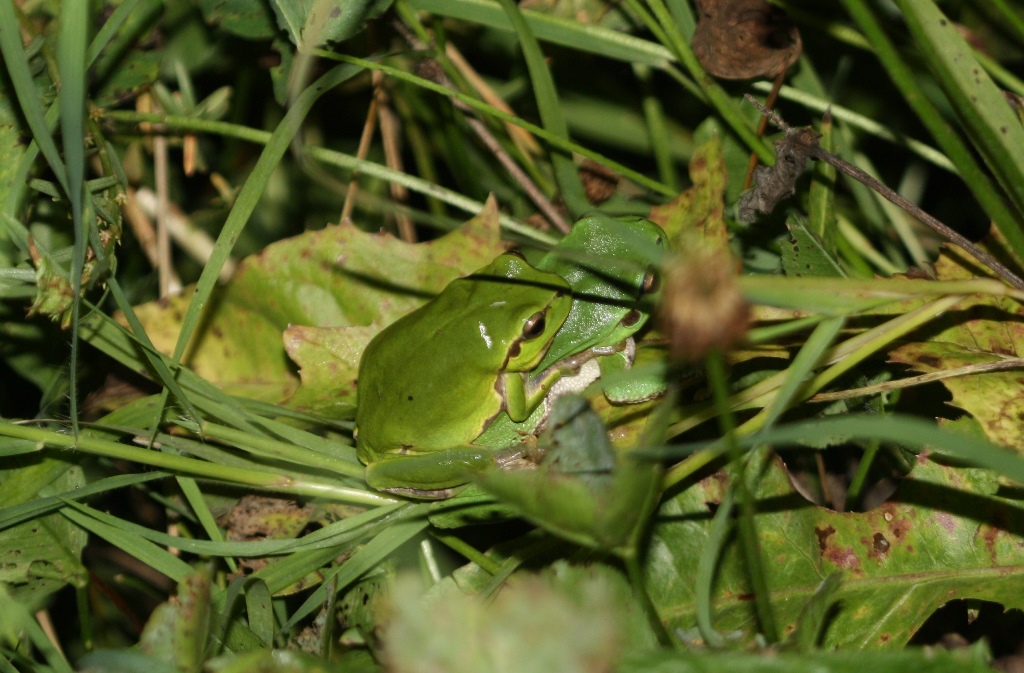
(430, 381)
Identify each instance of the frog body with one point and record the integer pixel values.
(430, 383)
(454, 387)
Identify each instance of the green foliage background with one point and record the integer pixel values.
(249, 386)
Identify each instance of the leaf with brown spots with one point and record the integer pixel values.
(944, 535)
(328, 358)
(255, 518)
(699, 212)
(743, 39)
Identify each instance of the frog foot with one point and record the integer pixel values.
(423, 494)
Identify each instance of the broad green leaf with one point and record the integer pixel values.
(899, 562)
(136, 73)
(328, 359)
(806, 254)
(42, 555)
(980, 330)
(310, 24)
(122, 69)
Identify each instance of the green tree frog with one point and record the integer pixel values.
(430, 383)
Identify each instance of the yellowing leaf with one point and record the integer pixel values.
(700, 210)
(337, 277)
(981, 329)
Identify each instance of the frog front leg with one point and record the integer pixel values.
(435, 475)
(524, 393)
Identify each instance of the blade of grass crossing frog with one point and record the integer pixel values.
(606, 262)
(550, 112)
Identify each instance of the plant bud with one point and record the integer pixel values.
(702, 308)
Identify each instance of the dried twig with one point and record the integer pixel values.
(798, 145)
(966, 370)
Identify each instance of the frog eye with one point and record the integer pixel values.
(631, 318)
(534, 326)
(650, 281)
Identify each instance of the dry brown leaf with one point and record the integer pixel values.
(744, 39)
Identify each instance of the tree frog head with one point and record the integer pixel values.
(521, 309)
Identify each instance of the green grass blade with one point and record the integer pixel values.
(546, 95)
(809, 357)
(1007, 16)
(578, 36)
(991, 123)
(74, 20)
(140, 549)
(332, 536)
(557, 141)
(25, 89)
(259, 478)
(128, 12)
(197, 502)
(250, 196)
(726, 107)
(12, 516)
(944, 134)
(907, 431)
(387, 540)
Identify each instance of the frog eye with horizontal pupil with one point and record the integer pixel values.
(534, 326)
(650, 282)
